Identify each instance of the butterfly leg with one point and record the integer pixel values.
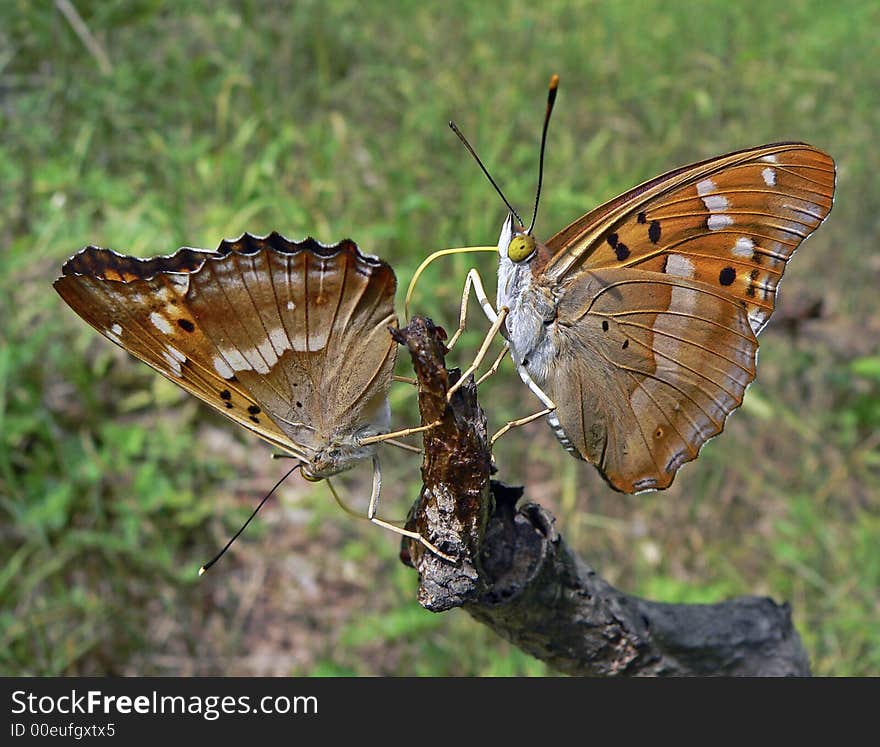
(549, 406)
(516, 423)
(535, 389)
(473, 280)
(371, 515)
(405, 380)
(404, 446)
(481, 353)
(494, 367)
(397, 434)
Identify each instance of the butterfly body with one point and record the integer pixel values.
(639, 320)
(532, 308)
(288, 339)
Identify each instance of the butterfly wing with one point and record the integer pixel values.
(256, 329)
(731, 222)
(648, 368)
(311, 325)
(660, 294)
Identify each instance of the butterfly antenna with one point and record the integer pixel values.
(454, 128)
(551, 100)
(235, 536)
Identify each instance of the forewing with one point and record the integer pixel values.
(731, 222)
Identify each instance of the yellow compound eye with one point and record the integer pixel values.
(521, 247)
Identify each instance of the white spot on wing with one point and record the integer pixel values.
(716, 203)
(264, 357)
(172, 361)
(222, 368)
(260, 366)
(175, 353)
(160, 323)
(744, 247)
(771, 158)
(757, 319)
(705, 187)
(116, 329)
(181, 281)
(718, 221)
(291, 305)
(769, 177)
(679, 266)
(236, 360)
(807, 207)
(279, 339)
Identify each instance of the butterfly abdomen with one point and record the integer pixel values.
(563, 438)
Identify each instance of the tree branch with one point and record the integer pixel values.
(516, 574)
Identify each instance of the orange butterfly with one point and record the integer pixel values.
(636, 324)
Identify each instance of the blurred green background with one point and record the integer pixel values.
(144, 126)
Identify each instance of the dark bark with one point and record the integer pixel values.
(516, 574)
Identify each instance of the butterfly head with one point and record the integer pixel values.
(339, 454)
(333, 459)
(518, 245)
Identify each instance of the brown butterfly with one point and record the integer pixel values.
(288, 339)
(636, 324)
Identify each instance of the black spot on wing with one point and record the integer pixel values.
(186, 325)
(727, 276)
(654, 231)
(622, 251)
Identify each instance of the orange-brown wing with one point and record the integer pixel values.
(731, 222)
(360, 354)
(246, 329)
(311, 324)
(648, 369)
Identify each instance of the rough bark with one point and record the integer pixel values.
(516, 574)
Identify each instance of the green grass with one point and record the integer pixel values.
(329, 119)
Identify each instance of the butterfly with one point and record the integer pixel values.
(636, 325)
(288, 339)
